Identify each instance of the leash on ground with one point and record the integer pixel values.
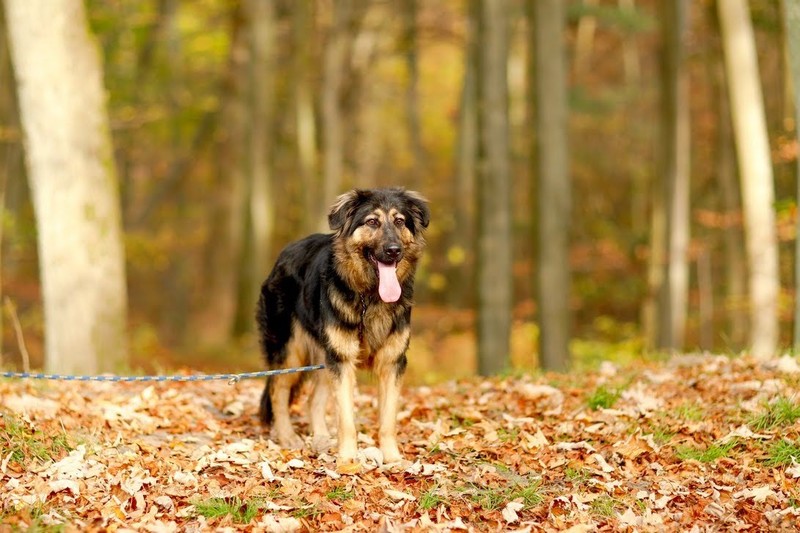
(232, 379)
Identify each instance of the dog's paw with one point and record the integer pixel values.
(321, 444)
(391, 454)
(291, 441)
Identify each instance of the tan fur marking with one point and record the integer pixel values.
(344, 342)
(350, 313)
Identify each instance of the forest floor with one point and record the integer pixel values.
(695, 443)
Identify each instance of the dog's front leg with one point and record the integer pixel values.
(390, 364)
(343, 379)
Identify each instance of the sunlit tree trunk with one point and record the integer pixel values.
(791, 10)
(494, 193)
(755, 171)
(584, 38)
(675, 170)
(74, 183)
(554, 185)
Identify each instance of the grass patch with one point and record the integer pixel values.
(780, 412)
(707, 455)
(506, 435)
(604, 506)
(491, 498)
(690, 411)
(603, 398)
(782, 452)
(431, 498)
(340, 494)
(306, 511)
(662, 434)
(26, 444)
(240, 511)
(577, 475)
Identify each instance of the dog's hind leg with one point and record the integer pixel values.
(280, 396)
(317, 407)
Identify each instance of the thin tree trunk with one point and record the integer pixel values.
(260, 211)
(215, 320)
(494, 194)
(555, 202)
(675, 175)
(74, 183)
(735, 277)
(755, 171)
(460, 288)
(332, 123)
(791, 9)
(305, 120)
(412, 91)
(584, 39)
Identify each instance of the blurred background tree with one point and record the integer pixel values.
(235, 123)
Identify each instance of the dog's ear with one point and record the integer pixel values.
(418, 207)
(344, 207)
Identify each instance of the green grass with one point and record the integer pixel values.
(604, 506)
(577, 475)
(431, 498)
(662, 434)
(491, 498)
(603, 398)
(707, 455)
(340, 494)
(506, 435)
(780, 412)
(242, 512)
(782, 452)
(690, 411)
(26, 444)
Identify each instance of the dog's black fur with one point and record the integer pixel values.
(321, 302)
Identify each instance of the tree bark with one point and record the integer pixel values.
(494, 194)
(554, 194)
(675, 170)
(791, 16)
(305, 119)
(755, 172)
(259, 208)
(74, 183)
(332, 123)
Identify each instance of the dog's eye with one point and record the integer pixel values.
(399, 222)
(373, 222)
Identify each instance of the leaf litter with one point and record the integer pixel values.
(522, 453)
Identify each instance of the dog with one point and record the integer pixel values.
(344, 299)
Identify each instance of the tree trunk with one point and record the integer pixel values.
(259, 209)
(332, 124)
(755, 171)
(409, 8)
(217, 315)
(494, 194)
(791, 18)
(736, 275)
(305, 121)
(460, 277)
(675, 170)
(74, 183)
(555, 202)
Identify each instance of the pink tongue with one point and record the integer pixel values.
(388, 285)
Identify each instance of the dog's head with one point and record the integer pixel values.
(379, 237)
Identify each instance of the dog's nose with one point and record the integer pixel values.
(393, 251)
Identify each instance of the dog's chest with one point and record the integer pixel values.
(376, 324)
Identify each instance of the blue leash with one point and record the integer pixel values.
(230, 378)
